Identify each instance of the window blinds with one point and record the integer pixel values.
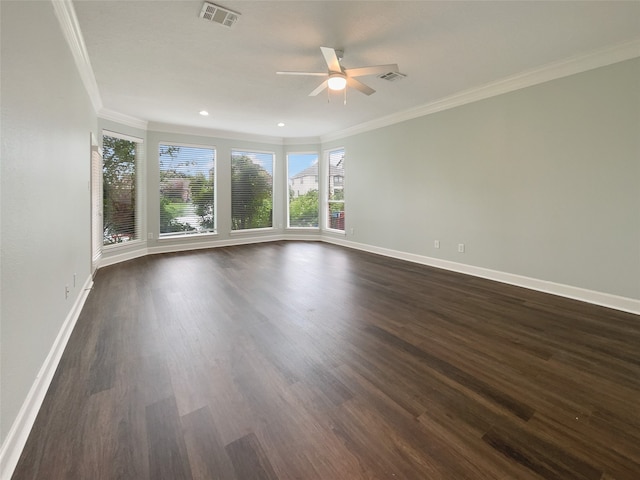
(187, 189)
(251, 190)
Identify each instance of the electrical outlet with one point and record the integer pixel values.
(436, 244)
(150, 235)
(351, 230)
(74, 279)
(66, 291)
(461, 247)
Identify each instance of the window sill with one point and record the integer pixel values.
(266, 230)
(122, 245)
(166, 238)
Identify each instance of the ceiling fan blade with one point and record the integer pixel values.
(367, 90)
(312, 74)
(331, 58)
(372, 70)
(318, 89)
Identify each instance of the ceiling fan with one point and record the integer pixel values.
(339, 77)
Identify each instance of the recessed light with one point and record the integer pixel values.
(281, 124)
(204, 113)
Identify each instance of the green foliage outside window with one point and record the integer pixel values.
(251, 194)
(186, 193)
(303, 210)
(119, 190)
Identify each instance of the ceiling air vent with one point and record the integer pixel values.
(392, 76)
(217, 14)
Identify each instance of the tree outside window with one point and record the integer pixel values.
(302, 172)
(251, 190)
(119, 211)
(187, 189)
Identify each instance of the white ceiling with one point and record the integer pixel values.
(159, 62)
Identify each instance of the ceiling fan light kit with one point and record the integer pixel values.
(337, 81)
(338, 77)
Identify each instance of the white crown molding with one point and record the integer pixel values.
(209, 132)
(552, 71)
(293, 141)
(203, 132)
(122, 119)
(68, 21)
(17, 437)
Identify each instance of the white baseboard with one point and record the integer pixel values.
(105, 261)
(590, 296)
(616, 302)
(173, 245)
(227, 242)
(19, 432)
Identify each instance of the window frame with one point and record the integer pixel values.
(97, 197)
(327, 202)
(173, 235)
(140, 196)
(241, 231)
(288, 191)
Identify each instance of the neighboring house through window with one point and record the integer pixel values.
(335, 200)
(302, 172)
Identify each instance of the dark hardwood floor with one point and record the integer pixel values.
(309, 361)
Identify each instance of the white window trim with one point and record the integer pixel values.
(141, 188)
(96, 193)
(325, 194)
(178, 235)
(274, 200)
(122, 136)
(246, 231)
(171, 236)
(288, 200)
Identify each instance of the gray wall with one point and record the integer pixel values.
(542, 182)
(46, 123)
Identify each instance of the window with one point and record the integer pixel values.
(336, 190)
(97, 237)
(187, 189)
(302, 171)
(251, 190)
(120, 216)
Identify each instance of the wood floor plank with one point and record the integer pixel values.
(54, 444)
(579, 437)
(304, 360)
(540, 456)
(459, 376)
(207, 456)
(249, 459)
(168, 458)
